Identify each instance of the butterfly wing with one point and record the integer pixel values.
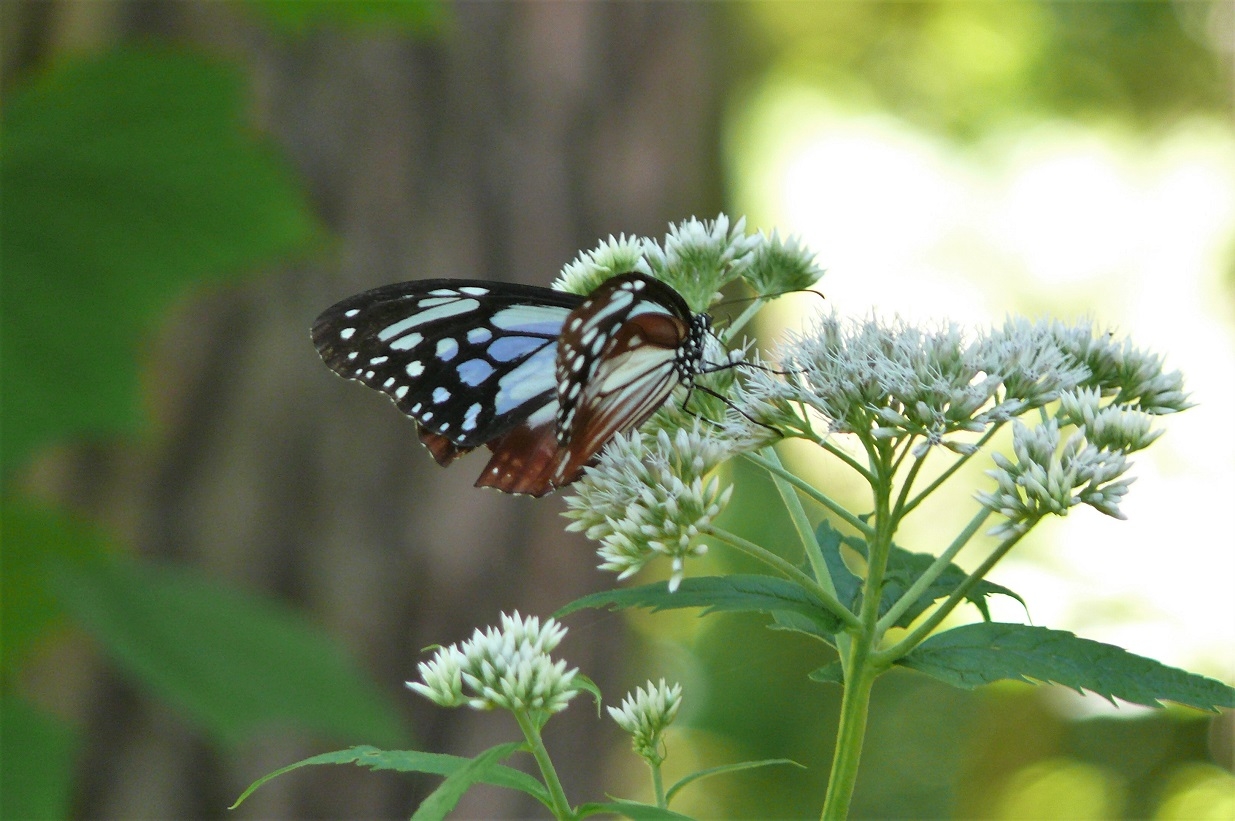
(542, 377)
(621, 353)
(470, 361)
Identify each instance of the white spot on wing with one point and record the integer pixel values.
(347, 333)
(415, 368)
(469, 418)
(406, 343)
(352, 313)
(543, 319)
(447, 309)
(440, 395)
(446, 349)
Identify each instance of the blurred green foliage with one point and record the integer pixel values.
(958, 67)
(300, 16)
(129, 179)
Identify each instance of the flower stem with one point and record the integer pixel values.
(531, 731)
(859, 664)
(775, 469)
(859, 680)
(947, 474)
(769, 558)
(931, 573)
(958, 595)
(797, 513)
(658, 786)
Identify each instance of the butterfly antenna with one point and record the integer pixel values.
(728, 403)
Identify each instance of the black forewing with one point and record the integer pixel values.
(467, 359)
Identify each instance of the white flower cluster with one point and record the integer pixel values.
(1133, 377)
(507, 667)
(648, 497)
(697, 258)
(1113, 427)
(1044, 479)
(608, 259)
(777, 266)
(646, 714)
(890, 380)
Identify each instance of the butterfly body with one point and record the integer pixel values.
(543, 378)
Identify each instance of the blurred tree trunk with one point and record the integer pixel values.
(498, 149)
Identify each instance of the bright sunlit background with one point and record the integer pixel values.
(971, 161)
(1047, 219)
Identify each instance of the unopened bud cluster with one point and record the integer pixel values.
(698, 258)
(507, 667)
(649, 496)
(646, 714)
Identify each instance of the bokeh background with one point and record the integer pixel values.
(218, 558)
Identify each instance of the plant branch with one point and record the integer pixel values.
(766, 556)
(947, 474)
(531, 731)
(924, 629)
(813, 493)
(932, 573)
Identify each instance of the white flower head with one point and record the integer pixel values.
(778, 266)
(1046, 479)
(646, 714)
(1134, 377)
(699, 257)
(649, 496)
(608, 259)
(1113, 427)
(507, 667)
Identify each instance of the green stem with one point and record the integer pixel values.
(859, 679)
(827, 445)
(933, 572)
(947, 474)
(860, 666)
(658, 786)
(745, 317)
(531, 731)
(916, 636)
(801, 523)
(899, 507)
(813, 493)
(766, 556)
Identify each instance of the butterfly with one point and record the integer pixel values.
(543, 378)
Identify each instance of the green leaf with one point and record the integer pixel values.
(797, 623)
(233, 662)
(410, 761)
(29, 609)
(126, 179)
(633, 810)
(833, 673)
(36, 769)
(848, 586)
(587, 685)
(476, 771)
(977, 654)
(905, 568)
(727, 768)
(736, 593)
